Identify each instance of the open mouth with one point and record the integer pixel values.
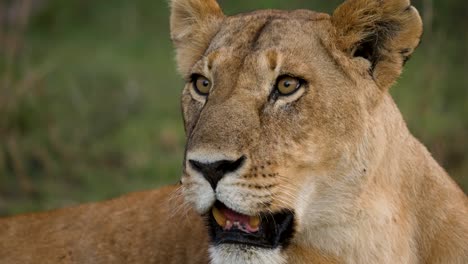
(265, 230)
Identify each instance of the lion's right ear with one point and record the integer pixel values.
(193, 25)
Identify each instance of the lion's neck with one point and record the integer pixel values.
(375, 214)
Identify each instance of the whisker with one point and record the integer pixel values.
(287, 180)
(180, 205)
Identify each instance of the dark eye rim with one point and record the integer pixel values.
(193, 80)
(302, 82)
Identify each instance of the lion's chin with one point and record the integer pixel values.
(267, 230)
(237, 253)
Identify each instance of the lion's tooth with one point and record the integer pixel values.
(228, 225)
(219, 217)
(254, 221)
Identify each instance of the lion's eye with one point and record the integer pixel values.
(201, 84)
(287, 85)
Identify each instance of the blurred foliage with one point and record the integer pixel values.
(89, 96)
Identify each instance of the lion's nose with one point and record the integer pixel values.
(213, 172)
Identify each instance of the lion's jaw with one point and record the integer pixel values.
(233, 254)
(258, 153)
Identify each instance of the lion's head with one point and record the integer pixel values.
(285, 114)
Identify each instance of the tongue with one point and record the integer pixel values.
(234, 216)
(240, 221)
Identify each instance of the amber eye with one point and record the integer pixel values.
(201, 84)
(287, 85)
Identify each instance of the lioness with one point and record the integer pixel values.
(296, 153)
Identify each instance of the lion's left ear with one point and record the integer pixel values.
(385, 32)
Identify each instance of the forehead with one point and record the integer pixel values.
(266, 29)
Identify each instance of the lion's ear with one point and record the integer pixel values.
(193, 24)
(382, 31)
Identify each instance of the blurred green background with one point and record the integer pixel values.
(89, 96)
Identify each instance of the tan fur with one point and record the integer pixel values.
(337, 152)
(136, 228)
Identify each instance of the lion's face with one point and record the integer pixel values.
(288, 144)
(278, 116)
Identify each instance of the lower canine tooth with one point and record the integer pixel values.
(219, 217)
(254, 221)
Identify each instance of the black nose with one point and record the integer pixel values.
(215, 171)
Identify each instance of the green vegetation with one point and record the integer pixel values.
(89, 96)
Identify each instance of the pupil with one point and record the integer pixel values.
(287, 84)
(205, 83)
